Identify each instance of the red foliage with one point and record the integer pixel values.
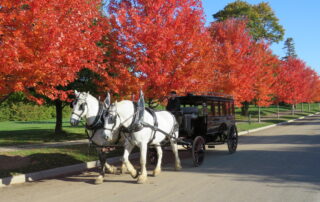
(233, 59)
(291, 85)
(44, 43)
(163, 44)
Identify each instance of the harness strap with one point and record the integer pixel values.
(98, 121)
(155, 123)
(135, 125)
(155, 127)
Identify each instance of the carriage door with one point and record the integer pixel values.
(214, 117)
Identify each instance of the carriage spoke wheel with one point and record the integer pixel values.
(198, 150)
(152, 156)
(232, 140)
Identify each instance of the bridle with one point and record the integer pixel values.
(82, 106)
(111, 119)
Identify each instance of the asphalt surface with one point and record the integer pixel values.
(277, 164)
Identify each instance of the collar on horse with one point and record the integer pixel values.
(98, 121)
(135, 125)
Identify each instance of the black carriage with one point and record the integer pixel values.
(206, 119)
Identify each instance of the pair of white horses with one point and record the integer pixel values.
(118, 117)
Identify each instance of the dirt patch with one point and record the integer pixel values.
(13, 162)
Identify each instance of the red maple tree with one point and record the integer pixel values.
(162, 43)
(45, 43)
(234, 59)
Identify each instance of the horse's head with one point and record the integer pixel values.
(111, 121)
(80, 108)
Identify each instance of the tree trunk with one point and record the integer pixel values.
(245, 109)
(301, 106)
(259, 116)
(58, 129)
(292, 109)
(309, 107)
(278, 111)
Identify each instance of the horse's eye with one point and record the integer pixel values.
(111, 119)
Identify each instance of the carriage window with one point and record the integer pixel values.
(217, 109)
(224, 110)
(232, 108)
(212, 109)
(228, 108)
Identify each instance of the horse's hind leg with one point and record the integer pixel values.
(102, 158)
(142, 178)
(127, 150)
(157, 170)
(174, 147)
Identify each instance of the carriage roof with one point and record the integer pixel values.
(199, 98)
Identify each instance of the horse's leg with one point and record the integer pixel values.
(142, 178)
(123, 169)
(174, 147)
(102, 158)
(110, 168)
(127, 150)
(157, 170)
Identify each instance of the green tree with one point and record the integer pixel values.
(262, 22)
(290, 50)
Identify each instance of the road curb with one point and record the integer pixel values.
(247, 132)
(55, 172)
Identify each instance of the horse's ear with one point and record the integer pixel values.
(107, 101)
(141, 105)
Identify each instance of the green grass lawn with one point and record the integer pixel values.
(33, 132)
(242, 126)
(42, 159)
(272, 111)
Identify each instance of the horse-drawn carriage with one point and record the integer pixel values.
(207, 119)
(203, 120)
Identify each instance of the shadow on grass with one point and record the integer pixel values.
(34, 136)
(34, 162)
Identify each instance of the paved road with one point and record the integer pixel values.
(278, 164)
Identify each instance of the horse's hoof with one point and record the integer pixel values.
(134, 174)
(124, 170)
(156, 172)
(142, 179)
(178, 168)
(99, 180)
(112, 170)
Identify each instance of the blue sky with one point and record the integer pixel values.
(300, 19)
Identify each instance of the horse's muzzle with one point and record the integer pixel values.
(74, 122)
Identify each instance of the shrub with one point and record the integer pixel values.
(20, 111)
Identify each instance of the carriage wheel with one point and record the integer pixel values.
(233, 139)
(152, 156)
(198, 150)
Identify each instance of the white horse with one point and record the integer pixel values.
(138, 127)
(88, 107)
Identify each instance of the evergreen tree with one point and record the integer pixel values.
(290, 50)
